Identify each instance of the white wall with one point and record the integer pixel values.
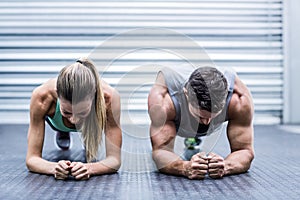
(291, 113)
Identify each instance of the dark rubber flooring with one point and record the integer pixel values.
(275, 172)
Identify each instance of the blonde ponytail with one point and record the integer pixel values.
(78, 82)
(93, 128)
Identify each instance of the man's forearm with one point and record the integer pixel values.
(238, 162)
(169, 163)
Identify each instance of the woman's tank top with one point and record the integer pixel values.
(56, 121)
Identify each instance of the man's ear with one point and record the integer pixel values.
(186, 93)
(185, 90)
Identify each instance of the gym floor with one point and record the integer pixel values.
(274, 174)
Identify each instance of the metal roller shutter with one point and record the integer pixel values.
(38, 38)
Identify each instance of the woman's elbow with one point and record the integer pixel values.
(29, 164)
(117, 164)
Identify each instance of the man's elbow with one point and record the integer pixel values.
(159, 166)
(251, 156)
(156, 158)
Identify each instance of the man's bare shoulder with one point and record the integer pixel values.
(160, 105)
(158, 91)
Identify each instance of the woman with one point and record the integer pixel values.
(76, 101)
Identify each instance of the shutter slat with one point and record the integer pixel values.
(38, 38)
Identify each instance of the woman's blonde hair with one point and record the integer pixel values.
(78, 82)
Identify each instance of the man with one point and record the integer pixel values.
(195, 103)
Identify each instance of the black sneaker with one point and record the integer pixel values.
(63, 140)
(192, 147)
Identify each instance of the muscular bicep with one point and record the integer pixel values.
(113, 133)
(113, 111)
(240, 125)
(162, 113)
(160, 127)
(36, 130)
(113, 142)
(35, 138)
(240, 137)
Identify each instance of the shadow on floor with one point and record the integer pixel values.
(275, 172)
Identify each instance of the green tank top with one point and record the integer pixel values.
(57, 120)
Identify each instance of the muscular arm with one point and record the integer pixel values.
(113, 140)
(240, 131)
(166, 160)
(162, 130)
(163, 133)
(39, 106)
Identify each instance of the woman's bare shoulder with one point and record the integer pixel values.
(43, 97)
(110, 93)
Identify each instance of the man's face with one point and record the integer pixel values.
(202, 116)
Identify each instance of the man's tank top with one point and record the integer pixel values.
(57, 121)
(186, 124)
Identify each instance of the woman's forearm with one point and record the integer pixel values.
(106, 166)
(39, 165)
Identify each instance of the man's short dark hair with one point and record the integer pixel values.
(207, 89)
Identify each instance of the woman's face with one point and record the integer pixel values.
(75, 113)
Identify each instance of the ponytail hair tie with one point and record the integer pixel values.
(79, 61)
